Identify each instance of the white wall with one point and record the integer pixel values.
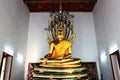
(14, 19)
(84, 46)
(107, 27)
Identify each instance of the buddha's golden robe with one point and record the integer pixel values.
(61, 49)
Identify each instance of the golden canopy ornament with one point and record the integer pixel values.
(60, 20)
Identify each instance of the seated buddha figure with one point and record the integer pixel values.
(60, 48)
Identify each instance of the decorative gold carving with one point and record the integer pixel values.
(42, 70)
(68, 70)
(63, 66)
(44, 61)
(61, 76)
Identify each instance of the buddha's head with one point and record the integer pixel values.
(60, 32)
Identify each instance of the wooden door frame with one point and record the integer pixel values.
(6, 55)
(118, 57)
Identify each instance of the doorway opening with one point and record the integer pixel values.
(115, 64)
(6, 66)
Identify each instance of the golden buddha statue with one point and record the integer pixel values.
(58, 64)
(60, 48)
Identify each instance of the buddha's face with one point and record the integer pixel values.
(60, 35)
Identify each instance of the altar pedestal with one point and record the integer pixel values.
(64, 69)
